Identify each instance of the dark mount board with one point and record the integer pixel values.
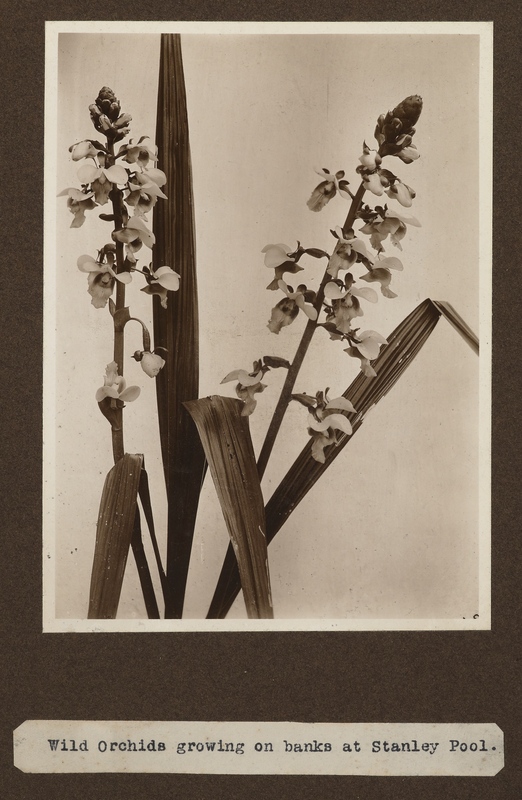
(371, 676)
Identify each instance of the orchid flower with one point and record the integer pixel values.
(249, 384)
(388, 223)
(328, 188)
(151, 363)
(332, 291)
(347, 251)
(381, 274)
(115, 387)
(83, 149)
(323, 421)
(101, 179)
(78, 202)
(281, 258)
(139, 152)
(376, 180)
(145, 190)
(101, 279)
(300, 297)
(160, 282)
(134, 230)
(401, 192)
(345, 305)
(408, 154)
(366, 347)
(286, 310)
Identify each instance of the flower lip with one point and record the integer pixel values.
(299, 298)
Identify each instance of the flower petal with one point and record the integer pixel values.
(233, 376)
(130, 393)
(374, 335)
(276, 254)
(360, 247)
(390, 262)
(116, 174)
(324, 173)
(369, 349)
(169, 280)
(334, 421)
(242, 376)
(366, 292)
(403, 218)
(308, 308)
(373, 183)
(146, 236)
(333, 292)
(78, 195)
(342, 404)
(123, 277)
(110, 391)
(88, 173)
(156, 175)
(101, 394)
(88, 264)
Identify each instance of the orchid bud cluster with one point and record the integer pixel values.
(131, 182)
(107, 117)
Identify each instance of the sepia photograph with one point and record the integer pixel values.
(267, 326)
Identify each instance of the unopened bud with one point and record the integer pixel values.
(408, 111)
(114, 110)
(122, 121)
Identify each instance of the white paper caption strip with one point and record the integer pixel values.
(259, 748)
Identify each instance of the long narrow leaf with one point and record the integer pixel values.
(403, 345)
(228, 447)
(147, 587)
(176, 327)
(114, 533)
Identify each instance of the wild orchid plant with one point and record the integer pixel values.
(337, 304)
(128, 180)
(215, 430)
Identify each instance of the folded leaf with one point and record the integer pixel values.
(176, 327)
(114, 532)
(364, 392)
(225, 435)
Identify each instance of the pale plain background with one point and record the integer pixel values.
(392, 529)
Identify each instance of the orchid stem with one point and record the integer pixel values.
(118, 447)
(293, 372)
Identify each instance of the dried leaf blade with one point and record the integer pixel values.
(225, 436)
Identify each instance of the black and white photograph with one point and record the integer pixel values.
(267, 326)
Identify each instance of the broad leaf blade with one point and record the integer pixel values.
(114, 534)
(176, 327)
(228, 447)
(403, 345)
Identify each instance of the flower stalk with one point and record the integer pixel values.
(293, 372)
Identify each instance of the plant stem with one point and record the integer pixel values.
(293, 372)
(118, 447)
